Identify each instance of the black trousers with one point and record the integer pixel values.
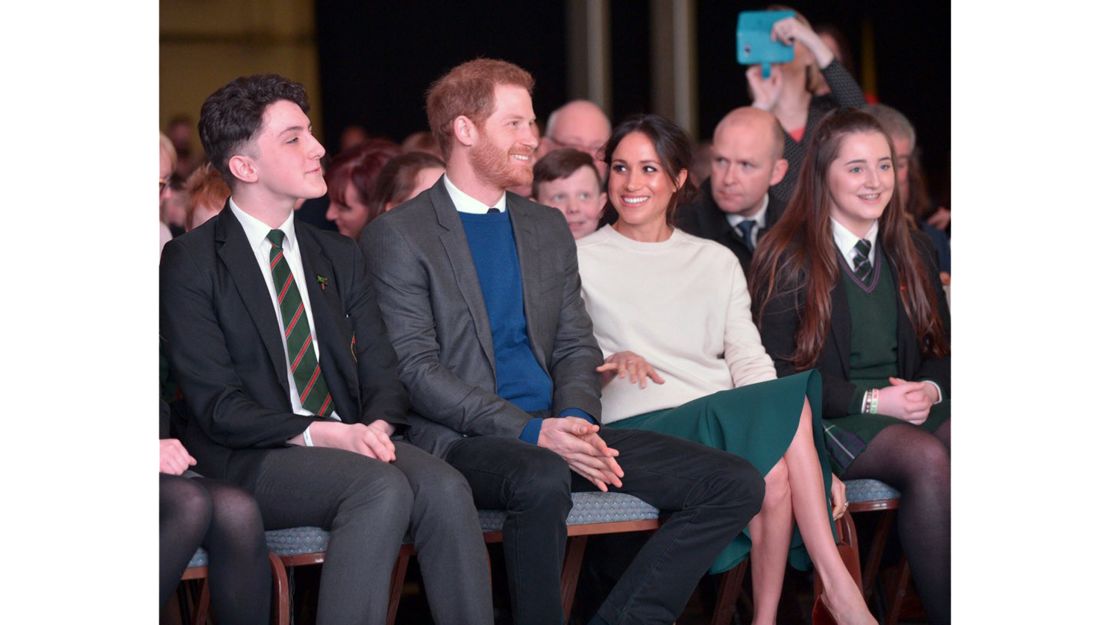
(710, 495)
(368, 506)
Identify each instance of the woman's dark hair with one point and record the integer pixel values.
(671, 143)
(797, 258)
(397, 178)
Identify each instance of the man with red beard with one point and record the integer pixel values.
(480, 294)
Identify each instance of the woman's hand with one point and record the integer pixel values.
(173, 458)
(908, 401)
(791, 29)
(839, 498)
(628, 365)
(765, 92)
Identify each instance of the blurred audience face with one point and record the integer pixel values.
(581, 125)
(173, 210)
(578, 196)
(165, 171)
(349, 214)
(422, 141)
(903, 153)
(402, 178)
(702, 166)
(746, 161)
(425, 178)
(352, 136)
(350, 178)
(861, 180)
(205, 195)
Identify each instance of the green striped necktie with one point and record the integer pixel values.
(298, 339)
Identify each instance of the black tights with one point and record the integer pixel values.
(225, 520)
(916, 462)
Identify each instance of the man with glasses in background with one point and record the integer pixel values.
(581, 125)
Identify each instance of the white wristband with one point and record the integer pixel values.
(307, 437)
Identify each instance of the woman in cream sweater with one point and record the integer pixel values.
(671, 314)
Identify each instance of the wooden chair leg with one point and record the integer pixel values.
(280, 599)
(572, 567)
(397, 582)
(897, 595)
(875, 552)
(728, 593)
(200, 617)
(180, 604)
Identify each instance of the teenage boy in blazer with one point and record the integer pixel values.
(289, 380)
(479, 290)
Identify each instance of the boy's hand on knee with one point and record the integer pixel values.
(369, 440)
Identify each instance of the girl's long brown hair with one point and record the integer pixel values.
(797, 258)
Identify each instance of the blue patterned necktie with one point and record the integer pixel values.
(745, 228)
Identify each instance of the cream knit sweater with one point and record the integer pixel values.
(683, 305)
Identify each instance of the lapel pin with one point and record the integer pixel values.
(322, 281)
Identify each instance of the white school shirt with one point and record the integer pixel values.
(256, 232)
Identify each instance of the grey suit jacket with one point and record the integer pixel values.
(427, 288)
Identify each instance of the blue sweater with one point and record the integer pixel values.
(520, 378)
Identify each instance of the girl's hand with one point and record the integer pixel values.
(173, 457)
(908, 401)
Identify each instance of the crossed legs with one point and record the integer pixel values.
(795, 491)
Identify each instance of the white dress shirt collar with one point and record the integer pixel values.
(467, 204)
(760, 216)
(257, 230)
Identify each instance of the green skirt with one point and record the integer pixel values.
(756, 422)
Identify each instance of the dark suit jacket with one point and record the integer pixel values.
(703, 218)
(428, 290)
(225, 348)
(783, 314)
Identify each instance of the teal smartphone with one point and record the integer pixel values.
(754, 45)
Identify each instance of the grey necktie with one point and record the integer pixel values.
(860, 259)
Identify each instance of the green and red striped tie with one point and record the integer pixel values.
(298, 339)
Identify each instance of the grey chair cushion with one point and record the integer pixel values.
(297, 540)
(860, 491)
(588, 508)
(200, 558)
